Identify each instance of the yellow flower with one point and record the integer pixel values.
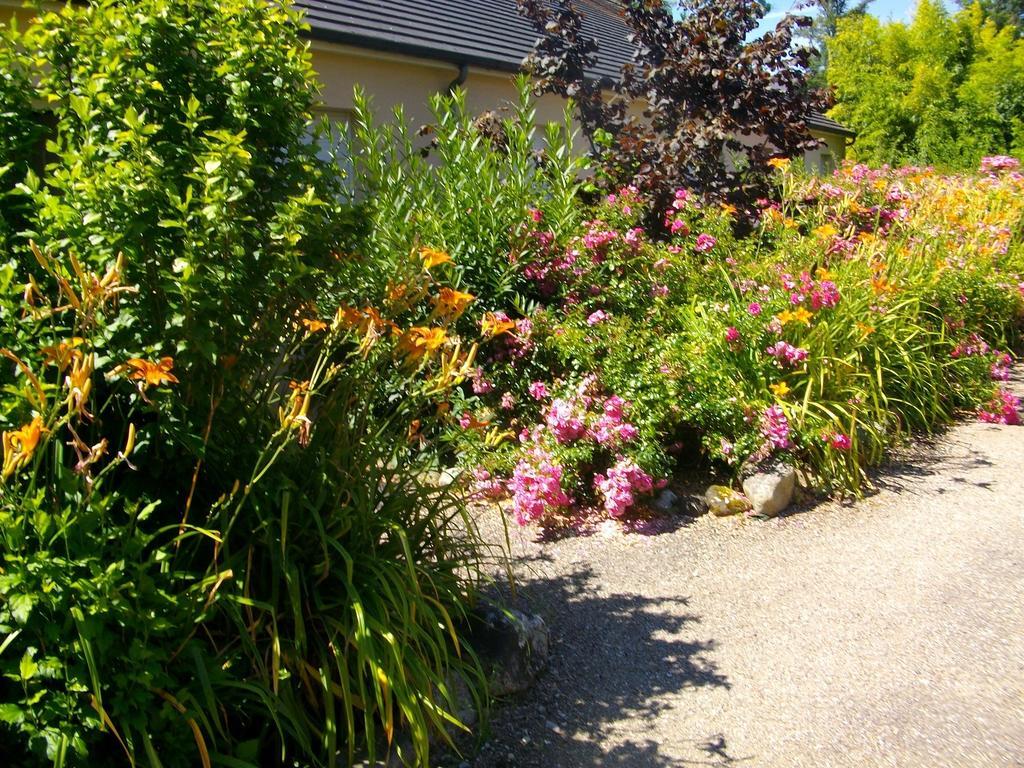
(79, 382)
(825, 231)
(20, 444)
(728, 210)
(800, 315)
(824, 274)
(780, 163)
(780, 390)
(865, 329)
(152, 374)
(452, 303)
(432, 257)
(492, 326)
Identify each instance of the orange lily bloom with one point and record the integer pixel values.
(152, 374)
(20, 445)
(491, 326)
(432, 257)
(452, 303)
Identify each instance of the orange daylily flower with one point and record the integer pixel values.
(419, 341)
(865, 329)
(20, 445)
(491, 326)
(79, 382)
(314, 324)
(780, 163)
(62, 354)
(432, 257)
(452, 303)
(152, 374)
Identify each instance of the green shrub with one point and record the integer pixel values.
(216, 542)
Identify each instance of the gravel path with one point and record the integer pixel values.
(889, 632)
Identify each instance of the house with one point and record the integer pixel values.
(402, 51)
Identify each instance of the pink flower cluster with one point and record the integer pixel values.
(973, 345)
(784, 352)
(823, 294)
(1001, 367)
(565, 420)
(486, 485)
(840, 442)
(1004, 408)
(536, 487)
(705, 243)
(775, 428)
(609, 428)
(999, 164)
(619, 487)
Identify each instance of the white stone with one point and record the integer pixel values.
(771, 492)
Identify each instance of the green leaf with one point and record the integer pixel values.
(27, 668)
(20, 606)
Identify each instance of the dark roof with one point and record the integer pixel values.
(482, 33)
(819, 122)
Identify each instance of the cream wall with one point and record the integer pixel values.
(394, 80)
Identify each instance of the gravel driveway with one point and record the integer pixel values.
(889, 632)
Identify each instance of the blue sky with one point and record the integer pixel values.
(895, 10)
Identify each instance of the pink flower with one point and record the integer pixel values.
(536, 487)
(1001, 368)
(481, 386)
(1004, 408)
(507, 402)
(677, 225)
(775, 428)
(538, 390)
(754, 308)
(705, 243)
(840, 442)
(536, 214)
(784, 352)
(486, 486)
(619, 487)
(634, 237)
(597, 317)
(826, 296)
(465, 419)
(732, 335)
(564, 421)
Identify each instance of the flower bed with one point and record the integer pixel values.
(859, 309)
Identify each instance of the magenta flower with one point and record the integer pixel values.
(536, 487)
(564, 421)
(705, 243)
(465, 420)
(597, 317)
(619, 487)
(536, 214)
(841, 442)
(754, 308)
(538, 390)
(786, 353)
(1004, 408)
(775, 428)
(732, 335)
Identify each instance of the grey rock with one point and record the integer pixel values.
(513, 647)
(771, 490)
(666, 501)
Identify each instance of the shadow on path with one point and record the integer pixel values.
(614, 658)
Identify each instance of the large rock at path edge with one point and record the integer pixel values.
(770, 490)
